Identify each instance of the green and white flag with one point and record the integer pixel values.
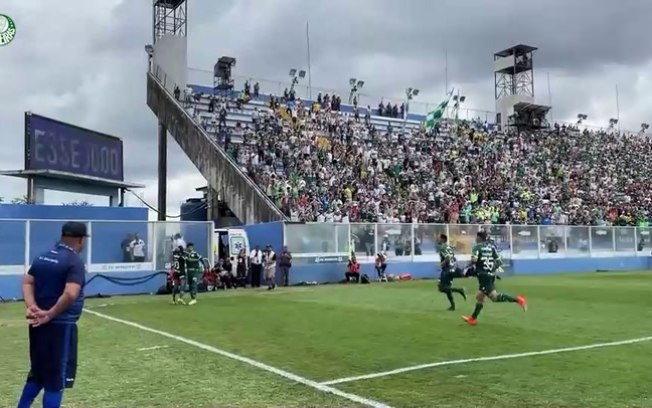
(434, 116)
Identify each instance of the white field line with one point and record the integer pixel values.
(152, 348)
(479, 359)
(285, 374)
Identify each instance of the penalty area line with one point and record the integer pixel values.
(480, 359)
(282, 373)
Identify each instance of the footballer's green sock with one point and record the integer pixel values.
(503, 297)
(478, 309)
(449, 295)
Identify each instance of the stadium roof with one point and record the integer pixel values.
(71, 177)
(520, 48)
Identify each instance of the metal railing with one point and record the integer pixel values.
(276, 87)
(244, 197)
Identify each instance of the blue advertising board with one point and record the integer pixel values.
(54, 145)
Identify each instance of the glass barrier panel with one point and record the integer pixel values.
(318, 238)
(577, 238)
(343, 238)
(395, 240)
(526, 243)
(45, 234)
(12, 251)
(117, 242)
(363, 237)
(426, 240)
(552, 240)
(625, 240)
(166, 236)
(199, 233)
(462, 238)
(643, 240)
(500, 234)
(602, 241)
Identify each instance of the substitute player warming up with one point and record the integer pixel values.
(448, 266)
(487, 262)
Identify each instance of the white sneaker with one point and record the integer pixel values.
(192, 302)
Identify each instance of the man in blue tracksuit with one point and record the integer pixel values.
(54, 299)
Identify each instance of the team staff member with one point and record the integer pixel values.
(54, 299)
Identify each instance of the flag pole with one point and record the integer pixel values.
(550, 99)
(618, 108)
(309, 71)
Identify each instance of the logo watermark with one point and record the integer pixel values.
(7, 29)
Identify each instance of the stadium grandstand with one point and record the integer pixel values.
(321, 160)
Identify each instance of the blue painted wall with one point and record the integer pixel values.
(12, 248)
(108, 225)
(107, 238)
(265, 234)
(334, 272)
(68, 212)
(10, 285)
(199, 235)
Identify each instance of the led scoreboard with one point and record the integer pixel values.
(54, 145)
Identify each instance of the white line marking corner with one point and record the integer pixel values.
(285, 374)
(490, 358)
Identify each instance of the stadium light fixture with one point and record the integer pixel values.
(295, 74)
(356, 85)
(411, 92)
(149, 49)
(458, 99)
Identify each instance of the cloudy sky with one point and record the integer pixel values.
(84, 62)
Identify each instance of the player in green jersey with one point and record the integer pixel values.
(487, 262)
(448, 267)
(193, 271)
(178, 275)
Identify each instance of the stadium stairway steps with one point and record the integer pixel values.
(239, 192)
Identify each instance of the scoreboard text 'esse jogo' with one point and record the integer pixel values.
(54, 145)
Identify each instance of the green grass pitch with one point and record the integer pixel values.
(326, 333)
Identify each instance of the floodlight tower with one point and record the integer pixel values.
(169, 17)
(514, 80)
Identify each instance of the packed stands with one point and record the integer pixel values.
(331, 162)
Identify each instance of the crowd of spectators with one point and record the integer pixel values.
(319, 164)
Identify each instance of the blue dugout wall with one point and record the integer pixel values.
(36, 229)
